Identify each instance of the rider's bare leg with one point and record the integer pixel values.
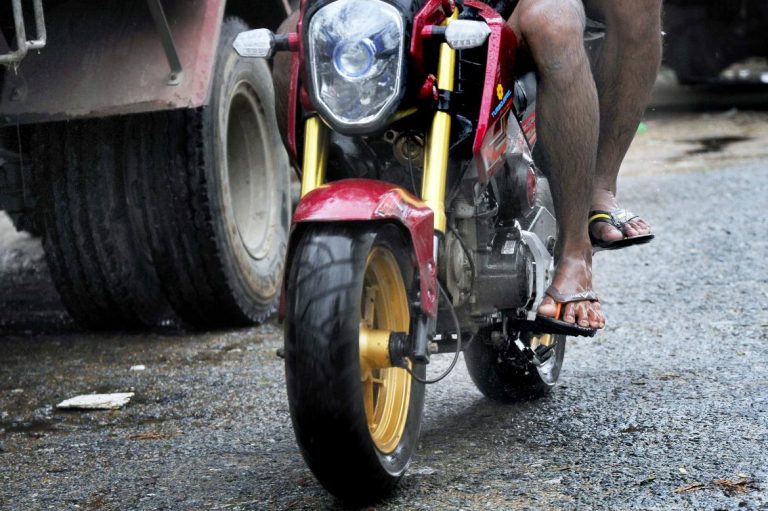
(568, 125)
(625, 72)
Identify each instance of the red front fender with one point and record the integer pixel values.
(355, 200)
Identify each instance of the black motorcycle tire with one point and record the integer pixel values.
(508, 377)
(324, 299)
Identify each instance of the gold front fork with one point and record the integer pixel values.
(315, 154)
(434, 181)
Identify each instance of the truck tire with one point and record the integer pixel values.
(218, 196)
(93, 233)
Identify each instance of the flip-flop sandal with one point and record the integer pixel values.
(618, 218)
(555, 325)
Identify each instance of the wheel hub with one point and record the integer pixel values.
(251, 181)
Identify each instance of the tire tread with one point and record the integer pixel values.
(97, 261)
(191, 262)
(322, 368)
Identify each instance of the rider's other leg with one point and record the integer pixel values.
(568, 125)
(625, 72)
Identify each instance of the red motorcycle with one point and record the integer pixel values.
(425, 225)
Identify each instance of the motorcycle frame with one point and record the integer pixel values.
(354, 200)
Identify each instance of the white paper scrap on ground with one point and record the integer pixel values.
(97, 401)
(140, 367)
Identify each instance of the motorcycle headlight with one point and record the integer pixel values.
(356, 63)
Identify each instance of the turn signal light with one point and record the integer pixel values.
(466, 34)
(459, 34)
(262, 43)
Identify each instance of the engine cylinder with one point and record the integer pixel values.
(504, 275)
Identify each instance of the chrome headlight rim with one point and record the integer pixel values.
(378, 122)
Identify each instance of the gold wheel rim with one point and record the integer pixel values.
(542, 340)
(386, 390)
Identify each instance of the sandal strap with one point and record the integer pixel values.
(623, 215)
(598, 216)
(617, 217)
(562, 298)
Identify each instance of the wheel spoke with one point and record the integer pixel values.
(385, 309)
(368, 394)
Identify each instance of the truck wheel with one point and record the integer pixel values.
(218, 196)
(93, 233)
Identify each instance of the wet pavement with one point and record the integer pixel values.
(667, 409)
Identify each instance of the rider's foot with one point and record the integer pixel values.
(604, 200)
(573, 275)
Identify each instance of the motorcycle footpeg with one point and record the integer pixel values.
(550, 326)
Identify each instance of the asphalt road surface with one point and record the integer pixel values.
(667, 409)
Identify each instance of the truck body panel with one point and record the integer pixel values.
(106, 58)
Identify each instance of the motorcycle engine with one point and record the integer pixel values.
(488, 267)
(497, 275)
(489, 259)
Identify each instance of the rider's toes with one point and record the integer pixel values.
(600, 316)
(548, 307)
(637, 227)
(607, 232)
(586, 315)
(596, 319)
(630, 231)
(569, 315)
(581, 314)
(641, 226)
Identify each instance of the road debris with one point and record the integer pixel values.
(423, 471)
(140, 367)
(734, 487)
(635, 429)
(691, 487)
(729, 487)
(96, 401)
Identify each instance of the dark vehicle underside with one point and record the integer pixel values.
(704, 38)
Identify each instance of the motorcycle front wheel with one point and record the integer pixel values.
(356, 418)
(506, 375)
